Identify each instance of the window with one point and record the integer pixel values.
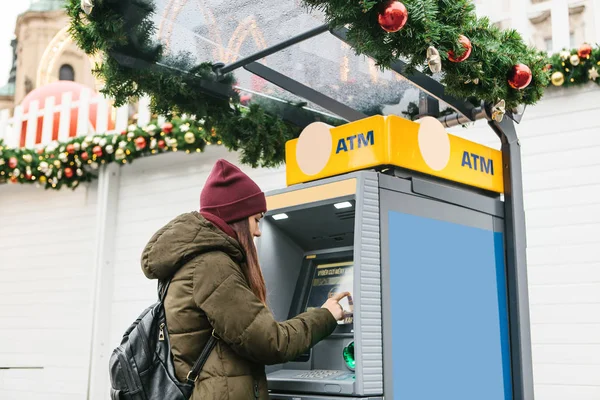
(66, 73)
(548, 44)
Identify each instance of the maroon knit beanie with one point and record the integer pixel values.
(230, 194)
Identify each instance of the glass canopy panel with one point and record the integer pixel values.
(218, 31)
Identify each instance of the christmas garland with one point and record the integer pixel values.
(122, 29)
(134, 64)
(575, 67)
(479, 62)
(68, 164)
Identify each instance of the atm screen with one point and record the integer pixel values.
(329, 279)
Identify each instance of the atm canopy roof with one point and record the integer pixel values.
(218, 31)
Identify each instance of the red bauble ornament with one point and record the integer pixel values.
(585, 51)
(520, 76)
(28, 176)
(97, 150)
(14, 179)
(70, 149)
(245, 99)
(392, 16)
(140, 143)
(162, 144)
(466, 44)
(85, 156)
(167, 128)
(13, 162)
(68, 172)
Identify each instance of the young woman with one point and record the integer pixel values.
(217, 284)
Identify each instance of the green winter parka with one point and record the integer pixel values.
(209, 291)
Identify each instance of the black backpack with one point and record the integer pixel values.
(141, 368)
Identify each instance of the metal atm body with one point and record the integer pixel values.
(434, 308)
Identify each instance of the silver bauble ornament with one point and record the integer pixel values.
(109, 149)
(87, 6)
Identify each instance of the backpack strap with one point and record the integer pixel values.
(199, 364)
(163, 286)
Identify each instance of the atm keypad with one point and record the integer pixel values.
(317, 374)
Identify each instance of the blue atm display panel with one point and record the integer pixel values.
(448, 303)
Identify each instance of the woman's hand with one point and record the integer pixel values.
(334, 306)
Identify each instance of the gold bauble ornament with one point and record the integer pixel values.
(575, 60)
(189, 138)
(57, 164)
(558, 79)
(119, 154)
(27, 158)
(43, 179)
(564, 55)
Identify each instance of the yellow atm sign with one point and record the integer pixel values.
(322, 151)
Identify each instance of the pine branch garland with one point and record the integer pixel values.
(68, 164)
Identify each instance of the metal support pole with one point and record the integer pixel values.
(273, 49)
(456, 119)
(424, 82)
(305, 92)
(516, 260)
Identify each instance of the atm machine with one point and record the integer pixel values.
(410, 220)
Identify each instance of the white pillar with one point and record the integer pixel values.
(561, 32)
(103, 281)
(520, 19)
(596, 14)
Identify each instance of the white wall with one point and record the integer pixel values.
(46, 252)
(560, 140)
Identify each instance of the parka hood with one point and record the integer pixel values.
(182, 239)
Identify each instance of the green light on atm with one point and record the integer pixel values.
(348, 355)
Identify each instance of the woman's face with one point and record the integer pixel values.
(254, 224)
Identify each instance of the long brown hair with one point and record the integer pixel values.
(250, 266)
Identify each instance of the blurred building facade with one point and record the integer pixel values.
(43, 53)
(549, 25)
